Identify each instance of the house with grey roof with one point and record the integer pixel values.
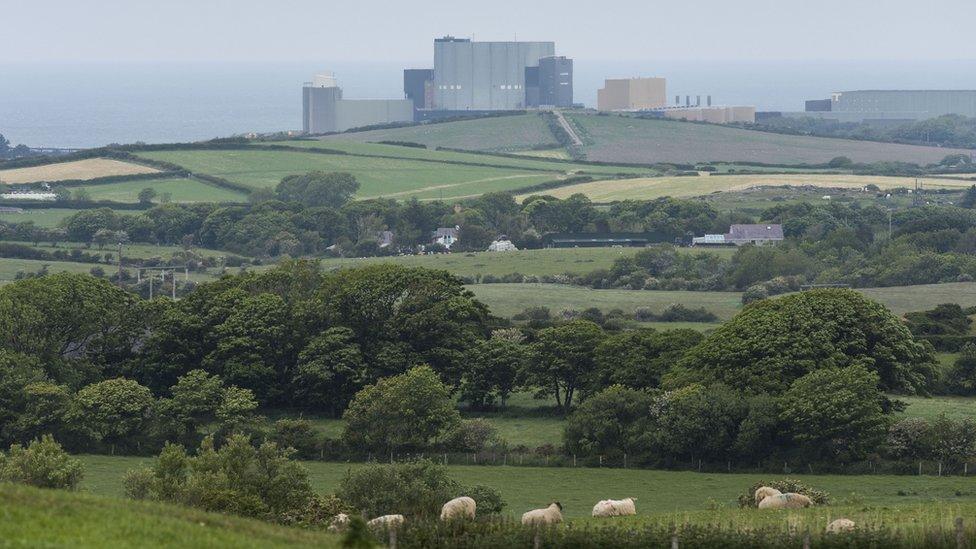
(446, 236)
(742, 234)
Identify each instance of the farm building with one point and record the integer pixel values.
(502, 244)
(605, 240)
(740, 235)
(445, 236)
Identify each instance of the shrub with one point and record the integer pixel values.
(297, 434)
(238, 478)
(472, 435)
(43, 464)
(417, 489)
(489, 501)
(785, 485)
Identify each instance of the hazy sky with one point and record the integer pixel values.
(371, 30)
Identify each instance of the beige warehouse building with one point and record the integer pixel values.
(714, 115)
(632, 94)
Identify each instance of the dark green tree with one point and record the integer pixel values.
(609, 423)
(330, 370)
(563, 363)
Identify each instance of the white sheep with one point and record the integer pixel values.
(785, 501)
(339, 524)
(462, 507)
(764, 491)
(615, 508)
(840, 525)
(390, 522)
(541, 517)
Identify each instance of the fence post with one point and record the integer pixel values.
(625, 461)
(601, 461)
(940, 468)
(965, 468)
(960, 534)
(537, 539)
(920, 468)
(574, 460)
(806, 539)
(393, 538)
(445, 458)
(674, 536)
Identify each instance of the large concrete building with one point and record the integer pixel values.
(632, 94)
(891, 106)
(713, 115)
(488, 76)
(555, 82)
(325, 111)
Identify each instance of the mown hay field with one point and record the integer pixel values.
(42, 217)
(89, 168)
(378, 177)
(691, 186)
(627, 139)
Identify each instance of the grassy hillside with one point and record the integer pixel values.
(496, 134)
(416, 153)
(42, 217)
(177, 190)
(690, 186)
(624, 139)
(394, 178)
(31, 517)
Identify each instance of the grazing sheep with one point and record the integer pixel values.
(764, 491)
(541, 517)
(840, 525)
(615, 508)
(390, 522)
(785, 501)
(339, 524)
(462, 507)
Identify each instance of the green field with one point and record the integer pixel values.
(543, 262)
(32, 517)
(129, 250)
(495, 134)
(177, 190)
(392, 178)
(625, 139)
(43, 217)
(416, 153)
(508, 299)
(661, 494)
(931, 408)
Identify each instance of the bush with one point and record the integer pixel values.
(785, 485)
(489, 501)
(43, 464)
(297, 434)
(472, 435)
(416, 489)
(241, 479)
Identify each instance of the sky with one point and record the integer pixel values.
(226, 31)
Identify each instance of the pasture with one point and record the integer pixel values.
(89, 168)
(692, 186)
(181, 190)
(662, 495)
(431, 155)
(627, 139)
(494, 134)
(378, 177)
(42, 217)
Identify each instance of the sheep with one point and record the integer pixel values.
(785, 501)
(462, 507)
(541, 517)
(840, 525)
(764, 491)
(391, 522)
(615, 508)
(339, 524)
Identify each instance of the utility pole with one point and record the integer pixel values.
(120, 263)
(889, 224)
(173, 274)
(150, 285)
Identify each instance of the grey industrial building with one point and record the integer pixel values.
(473, 77)
(325, 111)
(890, 106)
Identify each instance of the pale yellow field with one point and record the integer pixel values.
(90, 168)
(970, 176)
(548, 153)
(655, 187)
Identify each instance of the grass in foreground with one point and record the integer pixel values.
(30, 517)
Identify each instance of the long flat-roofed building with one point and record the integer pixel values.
(325, 111)
(632, 94)
(890, 105)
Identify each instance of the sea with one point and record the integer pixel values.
(89, 105)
